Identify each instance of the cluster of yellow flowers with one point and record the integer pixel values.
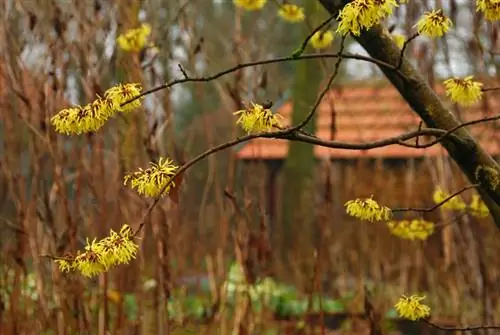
(367, 209)
(490, 8)
(117, 248)
(83, 119)
(99, 256)
(411, 230)
(256, 119)
(476, 207)
(287, 11)
(134, 40)
(363, 14)
(155, 180)
(293, 14)
(463, 91)
(411, 308)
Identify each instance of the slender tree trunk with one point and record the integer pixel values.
(299, 166)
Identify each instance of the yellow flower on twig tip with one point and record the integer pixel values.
(411, 230)
(89, 262)
(321, 39)
(291, 13)
(256, 119)
(151, 181)
(463, 91)
(81, 119)
(118, 95)
(434, 24)
(91, 117)
(134, 40)
(363, 14)
(119, 248)
(411, 308)
(455, 203)
(490, 8)
(250, 4)
(99, 256)
(368, 210)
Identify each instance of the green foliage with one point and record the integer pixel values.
(131, 306)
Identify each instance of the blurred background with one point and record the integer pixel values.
(259, 242)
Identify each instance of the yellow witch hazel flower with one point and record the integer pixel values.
(81, 119)
(478, 208)
(118, 95)
(291, 13)
(65, 265)
(411, 308)
(368, 210)
(490, 8)
(91, 117)
(463, 91)
(134, 40)
(99, 256)
(363, 14)
(119, 248)
(256, 119)
(153, 180)
(250, 4)
(89, 262)
(321, 39)
(455, 203)
(434, 24)
(411, 230)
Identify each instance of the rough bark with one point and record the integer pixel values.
(472, 159)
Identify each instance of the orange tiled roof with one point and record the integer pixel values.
(363, 114)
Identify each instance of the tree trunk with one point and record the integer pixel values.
(300, 162)
(476, 164)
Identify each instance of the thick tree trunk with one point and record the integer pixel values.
(467, 153)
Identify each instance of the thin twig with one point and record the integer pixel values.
(430, 209)
(487, 89)
(450, 131)
(263, 62)
(325, 90)
(400, 62)
(467, 328)
(292, 135)
(301, 49)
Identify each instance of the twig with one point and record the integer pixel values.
(301, 49)
(400, 62)
(292, 135)
(430, 209)
(263, 62)
(325, 90)
(468, 328)
(487, 89)
(450, 131)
